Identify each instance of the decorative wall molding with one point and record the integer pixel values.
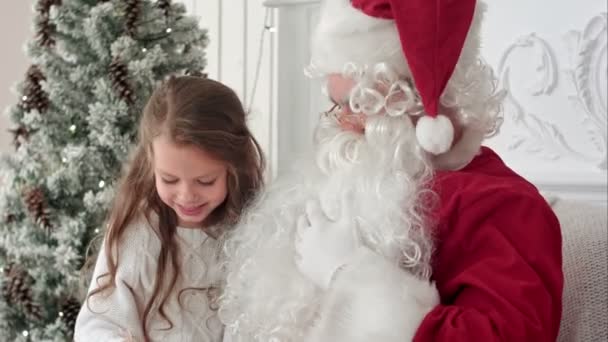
(543, 134)
(589, 72)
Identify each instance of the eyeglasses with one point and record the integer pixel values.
(346, 119)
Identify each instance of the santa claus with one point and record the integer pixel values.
(401, 227)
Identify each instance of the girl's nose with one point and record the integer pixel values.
(187, 194)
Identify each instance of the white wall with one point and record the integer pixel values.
(15, 30)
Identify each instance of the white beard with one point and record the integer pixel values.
(385, 176)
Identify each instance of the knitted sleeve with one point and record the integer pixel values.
(115, 315)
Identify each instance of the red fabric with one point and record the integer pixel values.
(498, 264)
(432, 34)
(374, 8)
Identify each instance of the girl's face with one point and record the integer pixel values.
(188, 180)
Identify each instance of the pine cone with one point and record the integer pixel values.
(132, 11)
(44, 32)
(165, 6)
(68, 312)
(119, 74)
(34, 96)
(196, 73)
(37, 206)
(9, 218)
(20, 134)
(34, 74)
(17, 290)
(44, 6)
(44, 27)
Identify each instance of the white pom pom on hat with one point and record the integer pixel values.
(432, 35)
(435, 134)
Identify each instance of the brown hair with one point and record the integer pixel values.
(192, 111)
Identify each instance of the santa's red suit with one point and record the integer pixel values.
(497, 263)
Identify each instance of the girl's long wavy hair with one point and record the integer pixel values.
(192, 111)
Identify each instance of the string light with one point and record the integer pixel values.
(24, 98)
(25, 333)
(144, 50)
(102, 184)
(169, 30)
(73, 128)
(268, 27)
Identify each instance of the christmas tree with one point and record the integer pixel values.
(94, 64)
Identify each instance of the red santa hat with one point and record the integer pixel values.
(420, 39)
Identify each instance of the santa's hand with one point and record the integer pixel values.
(324, 245)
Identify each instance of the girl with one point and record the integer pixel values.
(195, 168)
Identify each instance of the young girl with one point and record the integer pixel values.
(195, 168)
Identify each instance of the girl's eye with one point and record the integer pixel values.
(169, 181)
(208, 183)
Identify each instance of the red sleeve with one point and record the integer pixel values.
(498, 269)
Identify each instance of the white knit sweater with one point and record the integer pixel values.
(117, 316)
